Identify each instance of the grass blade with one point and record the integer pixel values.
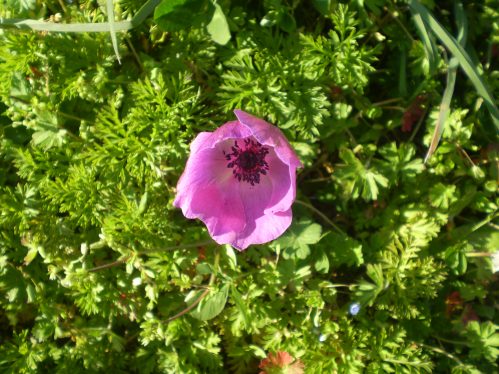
(112, 31)
(428, 42)
(144, 12)
(462, 23)
(462, 56)
(443, 112)
(462, 27)
(33, 25)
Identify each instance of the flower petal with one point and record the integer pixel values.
(221, 211)
(202, 141)
(229, 130)
(268, 134)
(283, 179)
(205, 191)
(263, 229)
(255, 199)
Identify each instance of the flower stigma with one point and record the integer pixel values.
(247, 161)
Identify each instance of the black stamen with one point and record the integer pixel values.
(248, 162)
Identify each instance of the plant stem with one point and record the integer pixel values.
(109, 265)
(479, 254)
(215, 266)
(135, 54)
(172, 248)
(394, 107)
(418, 126)
(320, 214)
(441, 351)
(387, 101)
(205, 292)
(465, 154)
(395, 18)
(484, 221)
(449, 341)
(63, 7)
(338, 285)
(190, 307)
(181, 246)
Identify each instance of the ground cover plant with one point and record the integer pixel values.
(389, 263)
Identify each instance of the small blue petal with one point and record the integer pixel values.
(354, 309)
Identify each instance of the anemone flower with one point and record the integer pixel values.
(240, 180)
(282, 363)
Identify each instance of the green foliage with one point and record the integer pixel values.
(357, 180)
(182, 14)
(98, 271)
(338, 57)
(483, 341)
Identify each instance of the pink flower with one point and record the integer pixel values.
(281, 363)
(240, 180)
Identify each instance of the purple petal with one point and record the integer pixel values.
(221, 211)
(255, 199)
(229, 130)
(274, 193)
(283, 179)
(202, 141)
(205, 191)
(263, 229)
(266, 205)
(268, 134)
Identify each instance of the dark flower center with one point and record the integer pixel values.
(247, 161)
